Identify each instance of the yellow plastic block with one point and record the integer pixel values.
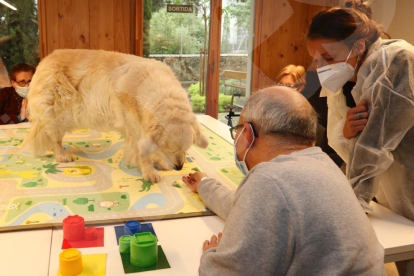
(93, 265)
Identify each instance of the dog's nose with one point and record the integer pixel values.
(178, 167)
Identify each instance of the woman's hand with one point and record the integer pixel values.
(356, 120)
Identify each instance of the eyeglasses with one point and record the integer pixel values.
(233, 130)
(293, 86)
(23, 83)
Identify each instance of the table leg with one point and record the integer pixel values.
(410, 268)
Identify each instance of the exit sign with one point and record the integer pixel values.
(180, 8)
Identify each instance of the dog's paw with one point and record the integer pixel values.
(153, 177)
(63, 158)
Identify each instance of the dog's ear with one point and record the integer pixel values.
(149, 144)
(156, 133)
(200, 140)
(146, 147)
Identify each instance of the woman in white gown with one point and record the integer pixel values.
(346, 45)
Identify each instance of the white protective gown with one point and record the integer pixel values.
(382, 156)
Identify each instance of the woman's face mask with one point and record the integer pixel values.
(333, 76)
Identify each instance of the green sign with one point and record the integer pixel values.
(180, 8)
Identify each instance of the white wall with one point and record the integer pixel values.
(396, 16)
(402, 25)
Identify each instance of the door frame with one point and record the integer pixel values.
(213, 65)
(214, 46)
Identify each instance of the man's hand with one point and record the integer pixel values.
(214, 242)
(193, 179)
(356, 120)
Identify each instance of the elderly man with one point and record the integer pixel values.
(295, 212)
(13, 102)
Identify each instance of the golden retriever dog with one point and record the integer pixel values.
(140, 98)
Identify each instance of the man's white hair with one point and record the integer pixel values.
(282, 111)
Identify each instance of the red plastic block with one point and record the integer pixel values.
(74, 228)
(98, 242)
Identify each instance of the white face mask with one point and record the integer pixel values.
(333, 76)
(22, 91)
(242, 164)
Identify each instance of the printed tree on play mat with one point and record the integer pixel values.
(146, 185)
(82, 200)
(51, 168)
(31, 184)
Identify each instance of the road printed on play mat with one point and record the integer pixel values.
(99, 185)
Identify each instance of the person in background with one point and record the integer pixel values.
(292, 76)
(13, 100)
(281, 220)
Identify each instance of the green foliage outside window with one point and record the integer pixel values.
(168, 28)
(198, 103)
(19, 34)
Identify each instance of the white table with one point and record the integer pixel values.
(396, 234)
(181, 240)
(25, 253)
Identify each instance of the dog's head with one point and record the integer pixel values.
(173, 141)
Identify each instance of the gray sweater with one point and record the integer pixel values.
(295, 215)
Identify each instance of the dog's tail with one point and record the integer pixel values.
(37, 141)
(50, 101)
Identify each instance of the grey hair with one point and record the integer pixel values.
(282, 111)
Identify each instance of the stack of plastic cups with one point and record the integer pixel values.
(74, 228)
(70, 262)
(131, 227)
(91, 234)
(144, 249)
(124, 244)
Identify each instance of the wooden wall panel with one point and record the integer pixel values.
(139, 28)
(82, 28)
(42, 26)
(94, 24)
(280, 31)
(66, 13)
(122, 27)
(87, 24)
(51, 34)
(106, 25)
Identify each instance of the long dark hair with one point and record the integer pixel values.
(347, 24)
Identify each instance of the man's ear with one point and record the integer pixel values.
(200, 140)
(248, 132)
(146, 147)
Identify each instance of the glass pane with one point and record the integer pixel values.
(234, 73)
(179, 38)
(19, 36)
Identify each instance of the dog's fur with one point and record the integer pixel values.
(141, 98)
